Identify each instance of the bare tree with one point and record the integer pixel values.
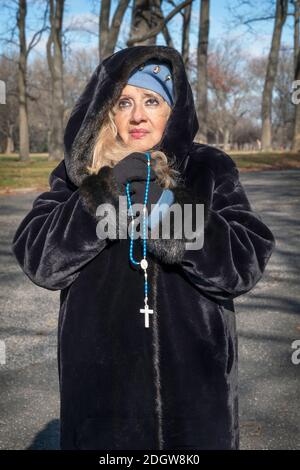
(108, 34)
(17, 27)
(146, 16)
(202, 106)
(22, 76)
(148, 20)
(185, 43)
(266, 108)
(39, 109)
(23, 110)
(55, 63)
(79, 65)
(283, 109)
(276, 10)
(9, 110)
(229, 91)
(296, 4)
(103, 27)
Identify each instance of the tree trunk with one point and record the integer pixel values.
(202, 106)
(266, 111)
(103, 27)
(146, 15)
(22, 71)
(226, 139)
(109, 33)
(185, 49)
(10, 147)
(296, 32)
(296, 130)
(165, 30)
(55, 62)
(148, 21)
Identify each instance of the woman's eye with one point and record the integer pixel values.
(126, 101)
(153, 99)
(121, 102)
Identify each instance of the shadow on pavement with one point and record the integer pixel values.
(47, 438)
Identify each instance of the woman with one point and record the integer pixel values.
(165, 379)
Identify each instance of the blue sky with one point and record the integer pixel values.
(85, 11)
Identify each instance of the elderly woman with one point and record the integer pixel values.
(147, 343)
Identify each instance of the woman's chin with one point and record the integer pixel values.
(138, 146)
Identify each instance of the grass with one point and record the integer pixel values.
(258, 161)
(17, 175)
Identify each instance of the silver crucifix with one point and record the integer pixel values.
(146, 311)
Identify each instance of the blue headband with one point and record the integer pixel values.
(154, 76)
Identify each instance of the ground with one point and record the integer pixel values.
(268, 323)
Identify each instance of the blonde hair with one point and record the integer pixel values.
(109, 149)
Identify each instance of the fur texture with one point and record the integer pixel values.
(104, 189)
(173, 385)
(100, 189)
(171, 251)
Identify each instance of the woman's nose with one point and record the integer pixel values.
(138, 112)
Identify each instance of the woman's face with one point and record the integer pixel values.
(143, 110)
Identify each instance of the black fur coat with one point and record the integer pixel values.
(123, 386)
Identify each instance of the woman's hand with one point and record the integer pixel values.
(138, 190)
(133, 168)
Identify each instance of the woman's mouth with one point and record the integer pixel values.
(138, 134)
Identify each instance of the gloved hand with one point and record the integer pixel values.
(132, 168)
(154, 193)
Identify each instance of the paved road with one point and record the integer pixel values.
(268, 322)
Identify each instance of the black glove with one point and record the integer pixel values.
(154, 193)
(132, 168)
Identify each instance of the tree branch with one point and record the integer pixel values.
(160, 26)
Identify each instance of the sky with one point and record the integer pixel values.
(86, 11)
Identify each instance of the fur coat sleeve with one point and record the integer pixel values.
(58, 236)
(236, 243)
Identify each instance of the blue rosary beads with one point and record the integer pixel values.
(143, 263)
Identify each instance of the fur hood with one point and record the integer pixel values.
(105, 87)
